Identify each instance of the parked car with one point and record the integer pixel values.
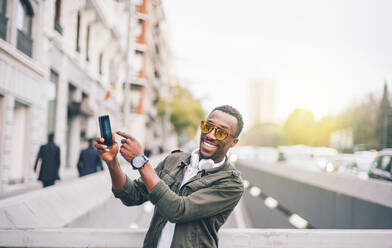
(381, 167)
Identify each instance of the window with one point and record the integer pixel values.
(385, 161)
(78, 33)
(24, 24)
(1, 121)
(19, 153)
(100, 63)
(25, 17)
(52, 96)
(3, 19)
(87, 42)
(3, 6)
(57, 14)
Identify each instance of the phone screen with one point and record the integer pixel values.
(106, 131)
(106, 125)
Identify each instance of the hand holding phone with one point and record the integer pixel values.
(106, 130)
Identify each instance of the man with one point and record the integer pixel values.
(193, 193)
(50, 162)
(89, 160)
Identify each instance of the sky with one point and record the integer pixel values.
(323, 55)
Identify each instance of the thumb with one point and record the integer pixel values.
(113, 138)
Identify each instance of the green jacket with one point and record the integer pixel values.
(199, 208)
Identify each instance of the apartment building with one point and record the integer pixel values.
(64, 63)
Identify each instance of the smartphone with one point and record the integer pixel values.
(106, 131)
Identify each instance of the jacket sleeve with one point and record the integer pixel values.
(135, 192)
(38, 157)
(202, 203)
(58, 158)
(80, 165)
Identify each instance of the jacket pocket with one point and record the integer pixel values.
(168, 179)
(195, 185)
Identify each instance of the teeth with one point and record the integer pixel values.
(209, 145)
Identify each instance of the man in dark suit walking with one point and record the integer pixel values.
(50, 162)
(89, 160)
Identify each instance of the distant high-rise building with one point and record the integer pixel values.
(262, 101)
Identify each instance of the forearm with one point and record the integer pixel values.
(149, 177)
(117, 175)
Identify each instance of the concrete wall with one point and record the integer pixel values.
(321, 207)
(84, 202)
(236, 238)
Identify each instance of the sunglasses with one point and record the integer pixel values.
(220, 133)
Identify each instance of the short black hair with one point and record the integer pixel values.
(233, 112)
(51, 137)
(90, 141)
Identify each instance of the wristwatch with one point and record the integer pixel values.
(138, 162)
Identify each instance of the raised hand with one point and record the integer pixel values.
(130, 147)
(108, 154)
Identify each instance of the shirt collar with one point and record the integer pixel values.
(196, 162)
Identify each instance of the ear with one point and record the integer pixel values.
(234, 142)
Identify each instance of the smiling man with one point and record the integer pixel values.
(193, 193)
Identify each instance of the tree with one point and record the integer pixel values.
(186, 111)
(383, 125)
(299, 128)
(266, 134)
(323, 130)
(361, 117)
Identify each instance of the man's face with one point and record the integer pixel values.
(210, 146)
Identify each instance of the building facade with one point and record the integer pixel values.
(64, 63)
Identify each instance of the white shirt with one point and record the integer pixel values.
(167, 234)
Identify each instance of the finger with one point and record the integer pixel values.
(125, 146)
(113, 138)
(124, 141)
(125, 135)
(99, 140)
(101, 146)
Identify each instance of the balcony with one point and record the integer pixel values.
(3, 27)
(25, 43)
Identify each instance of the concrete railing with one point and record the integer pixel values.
(236, 238)
(376, 191)
(62, 205)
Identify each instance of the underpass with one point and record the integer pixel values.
(327, 201)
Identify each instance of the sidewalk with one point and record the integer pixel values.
(67, 175)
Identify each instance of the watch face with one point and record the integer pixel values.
(139, 161)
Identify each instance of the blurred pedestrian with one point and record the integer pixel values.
(89, 160)
(49, 154)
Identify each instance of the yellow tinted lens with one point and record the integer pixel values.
(206, 127)
(220, 134)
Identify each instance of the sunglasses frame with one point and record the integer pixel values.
(214, 128)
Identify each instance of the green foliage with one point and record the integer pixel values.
(323, 130)
(299, 128)
(370, 121)
(186, 112)
(362, 119)
(266, 134)
(383, 127)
